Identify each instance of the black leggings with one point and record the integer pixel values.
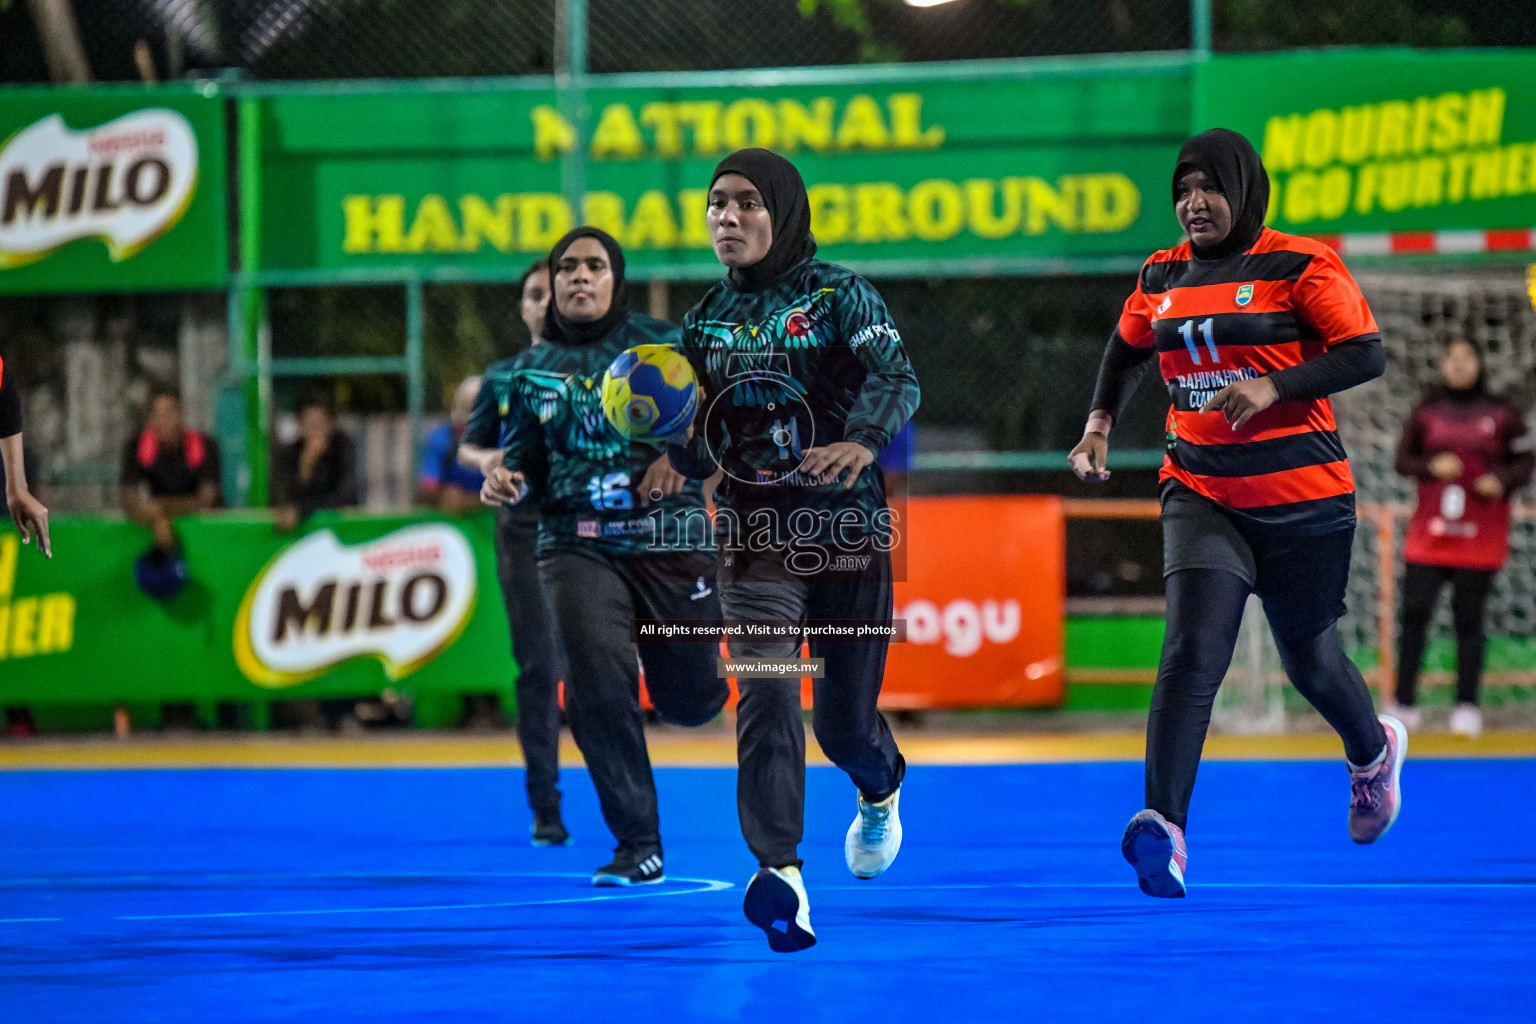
(1205, 609)
(1469, 598)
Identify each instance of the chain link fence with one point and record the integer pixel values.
(1419, 315)
(1006, 364)
(322, 39)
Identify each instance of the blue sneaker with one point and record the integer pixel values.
(874, 838)
(776, 902)
(1154, 846)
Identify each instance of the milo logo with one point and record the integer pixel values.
(126, 182)
(402, 599)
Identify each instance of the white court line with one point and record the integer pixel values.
(251, 876)
(27, 920)
(709, 885)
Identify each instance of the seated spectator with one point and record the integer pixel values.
(169, 470)
(318, 470)
(444, 483)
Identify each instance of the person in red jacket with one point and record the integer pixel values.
(1469, 451)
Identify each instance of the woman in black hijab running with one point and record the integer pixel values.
(614, 542)
(1252, 330)
(806, 381)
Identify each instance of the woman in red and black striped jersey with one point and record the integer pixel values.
(1252, 330)
(1469, 451)
(29, 514)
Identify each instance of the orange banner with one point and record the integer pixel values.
(981, 584)
(983, 599)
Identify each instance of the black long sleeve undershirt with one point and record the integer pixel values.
(1342, 367)
(10, 403)
(1120, 371)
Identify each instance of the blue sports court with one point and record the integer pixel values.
(412, 895)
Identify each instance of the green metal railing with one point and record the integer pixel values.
(253, 368)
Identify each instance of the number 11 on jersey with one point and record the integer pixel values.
(1207, 331)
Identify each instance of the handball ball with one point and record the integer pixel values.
(650, 393)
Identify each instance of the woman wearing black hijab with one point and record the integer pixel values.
(1468, 451)
(622, 536)
(806, 381)
(1252, 330)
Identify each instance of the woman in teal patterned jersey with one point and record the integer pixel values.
(806, 381)
(535, 641)
(622, 536)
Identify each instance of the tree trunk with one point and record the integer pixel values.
(60, 36)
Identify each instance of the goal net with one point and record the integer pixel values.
(1418, 312)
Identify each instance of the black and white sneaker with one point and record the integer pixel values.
(631, 867)
(776, 902)
(549, 830)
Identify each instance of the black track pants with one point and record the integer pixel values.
(1469, 600)
(596, 597)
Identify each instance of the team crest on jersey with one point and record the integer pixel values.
(1244, 294)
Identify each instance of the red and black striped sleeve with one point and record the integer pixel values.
(10, 401)
(1328, 299)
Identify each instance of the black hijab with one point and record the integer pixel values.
(1478, 390)
(1229, 160)
(560, 328)
(789, 209)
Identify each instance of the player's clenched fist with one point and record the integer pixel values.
(502, 487)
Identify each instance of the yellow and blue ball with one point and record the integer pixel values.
(650, 393)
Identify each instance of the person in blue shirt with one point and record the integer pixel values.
(446, 483)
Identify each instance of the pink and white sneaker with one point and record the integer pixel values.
(1154, 846)
(1375, 795)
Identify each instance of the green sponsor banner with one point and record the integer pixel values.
(1386, 140)
(1023, 165)
(350, 606)
(112, 190)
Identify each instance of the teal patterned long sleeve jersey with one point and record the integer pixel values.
(810, 361)
(544, 407)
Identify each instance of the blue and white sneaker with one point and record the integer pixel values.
(1154, 846)
(776, 902)
(631, 867)
(874, 838)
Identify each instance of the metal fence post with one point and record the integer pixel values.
(415, 370)
(571, 94)
(254, 339)
(1200, 28)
